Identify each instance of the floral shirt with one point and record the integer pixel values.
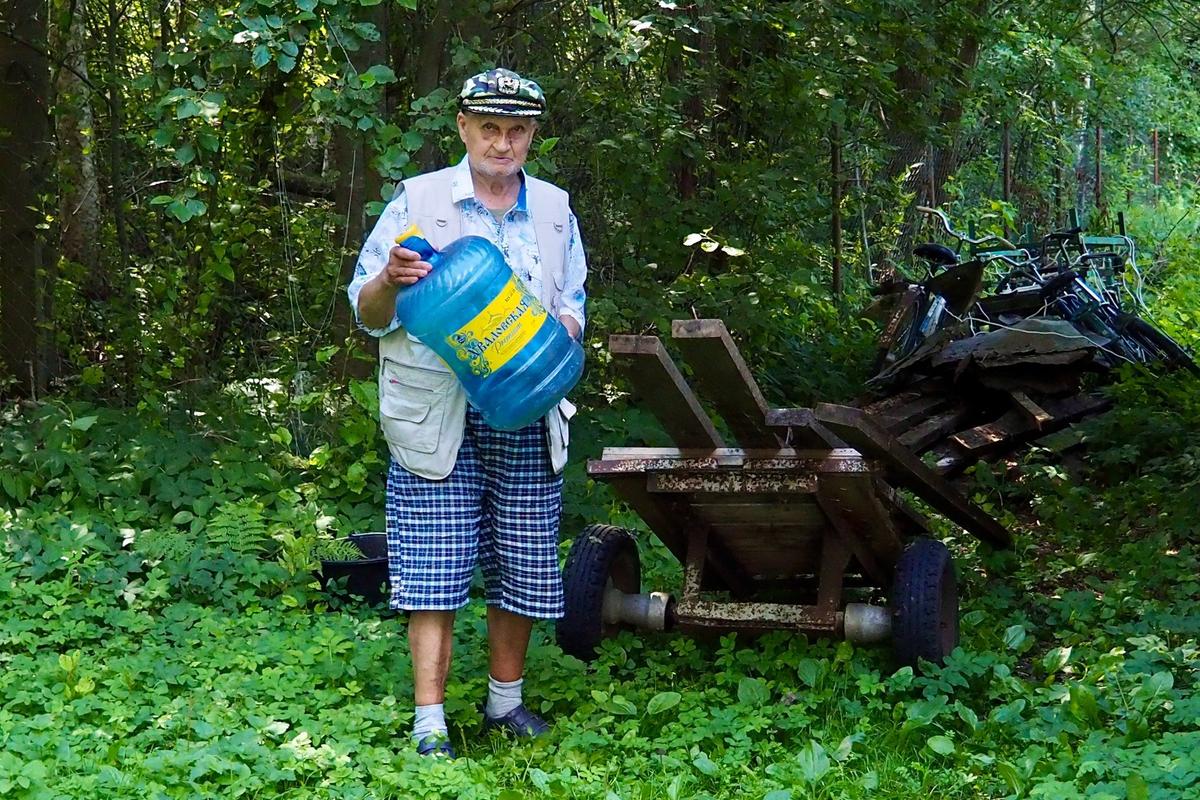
(513, 234)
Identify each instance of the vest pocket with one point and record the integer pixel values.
(412, 403)
(557, 279)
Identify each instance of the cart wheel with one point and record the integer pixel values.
(601, 556)
(924, 604)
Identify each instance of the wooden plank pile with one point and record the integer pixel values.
(986, 396)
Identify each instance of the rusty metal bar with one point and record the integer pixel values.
(732, 482)
(626, 466)
(705, 614)
(693, 568)
(650, 460)
(728, 456)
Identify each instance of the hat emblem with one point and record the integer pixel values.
(506, 84)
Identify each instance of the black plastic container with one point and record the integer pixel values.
(366, 577)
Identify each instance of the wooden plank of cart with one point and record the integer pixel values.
(795, 525)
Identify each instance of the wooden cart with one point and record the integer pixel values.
(791, 526)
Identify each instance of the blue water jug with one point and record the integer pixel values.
(513, 359)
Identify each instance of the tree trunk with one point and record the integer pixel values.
(24, 155)
(691, 107)
(79, 199)
(429, 76)
(921, 114)
(835, 202)
(348, 197)
(355, 184)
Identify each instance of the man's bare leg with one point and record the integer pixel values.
(430, 640)
(508, 640)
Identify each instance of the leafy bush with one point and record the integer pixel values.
(161, 637)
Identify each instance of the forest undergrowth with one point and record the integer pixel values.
(186, 214)
(161, 636)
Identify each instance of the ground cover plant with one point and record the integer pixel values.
(162, 637)
(189, 421)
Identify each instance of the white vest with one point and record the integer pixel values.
(422, 406)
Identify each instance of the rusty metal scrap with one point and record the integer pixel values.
(756, 616)
(619, 461)
(739, 482)
(1037, 340)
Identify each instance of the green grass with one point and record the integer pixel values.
(216, 670)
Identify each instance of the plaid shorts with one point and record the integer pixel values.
(500, 505)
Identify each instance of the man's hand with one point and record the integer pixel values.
(571, 324)
(404, 268)
(377, 301)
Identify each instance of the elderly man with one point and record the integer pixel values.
(459, 491)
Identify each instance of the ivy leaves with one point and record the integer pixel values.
(234, 56)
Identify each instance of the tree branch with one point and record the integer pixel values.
(58, 62)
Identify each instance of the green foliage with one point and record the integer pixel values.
(162, 634)
(337, 550)
(218, 511)
(155, 641)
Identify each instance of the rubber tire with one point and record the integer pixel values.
(888, 353)
(1171, 351)
(924, 604)
(599, 554)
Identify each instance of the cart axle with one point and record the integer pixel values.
(866, 624)
(647, 611)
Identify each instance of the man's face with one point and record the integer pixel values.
(496, 146)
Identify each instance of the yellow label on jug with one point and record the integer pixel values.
(498, 333)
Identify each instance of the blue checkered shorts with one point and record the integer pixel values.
(500, 505)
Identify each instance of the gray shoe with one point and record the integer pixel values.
(437, 745)
(520, 722)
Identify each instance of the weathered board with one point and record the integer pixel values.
(722, 376)
(907, 469)
(663, 391)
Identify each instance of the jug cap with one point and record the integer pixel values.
(414, 239)
(412, 230)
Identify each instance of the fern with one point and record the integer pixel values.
(336, 550)
(169, 544)
(239, 526)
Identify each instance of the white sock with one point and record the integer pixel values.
(503, 696)
(429, 720)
